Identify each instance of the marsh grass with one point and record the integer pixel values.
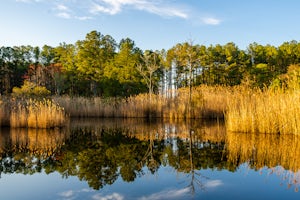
(32, 113)
(206, 102)
(244, 109)
(268, 111)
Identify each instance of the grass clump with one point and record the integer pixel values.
(264, 111)
(32, 113)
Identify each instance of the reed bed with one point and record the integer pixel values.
(32, 113)
(268, 111)
(206, 102)
(244, 109)
(89, 107)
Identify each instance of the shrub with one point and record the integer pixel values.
(30, 89)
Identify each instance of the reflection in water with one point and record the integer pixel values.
(279, 153)
(101, 151)
(27, 151)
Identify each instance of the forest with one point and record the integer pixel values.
(254, 90)
(100, 66)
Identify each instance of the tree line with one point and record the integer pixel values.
(99, 66)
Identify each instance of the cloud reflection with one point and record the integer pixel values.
(114, 196)
(67, 194)
(167, 194)
(213, 183)
(71, 194)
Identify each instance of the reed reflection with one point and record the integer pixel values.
(278, 154)
(101, 151)
(29, 150)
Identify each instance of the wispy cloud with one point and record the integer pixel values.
(62, 7)
(70, 9)
(211, 21)
(113, 7)
(63, 11)
(64, 15)
(89, 9)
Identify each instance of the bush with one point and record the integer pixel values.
(30, 89)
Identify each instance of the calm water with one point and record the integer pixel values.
(130, 159)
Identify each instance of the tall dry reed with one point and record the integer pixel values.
(32, 113)
(269, 111)
(206, 102)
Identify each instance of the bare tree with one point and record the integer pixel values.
(150, 65)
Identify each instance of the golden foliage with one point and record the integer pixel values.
(30, 89)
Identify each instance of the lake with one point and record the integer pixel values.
(118, 159)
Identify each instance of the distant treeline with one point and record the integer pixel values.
(99, 66)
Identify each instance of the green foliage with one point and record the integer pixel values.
(289, 80)
(98, 66)
(30, 89)
(123, 79)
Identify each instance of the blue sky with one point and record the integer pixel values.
(152, 24)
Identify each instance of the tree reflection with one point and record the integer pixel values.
(193, 154)
(195, 176)
(102, 153)
(153, 153)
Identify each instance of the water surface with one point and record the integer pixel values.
(133, 159)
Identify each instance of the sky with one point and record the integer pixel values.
(151, 24)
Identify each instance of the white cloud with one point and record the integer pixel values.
(62, 7)
(63, 11)
(65, 15)
(167, 194)
(114, 196)
(86, 10)
(211, 21)
(113, 7)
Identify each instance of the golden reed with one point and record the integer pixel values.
(31, 113)
(268, 111)
(206, 102)
(244, 109)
